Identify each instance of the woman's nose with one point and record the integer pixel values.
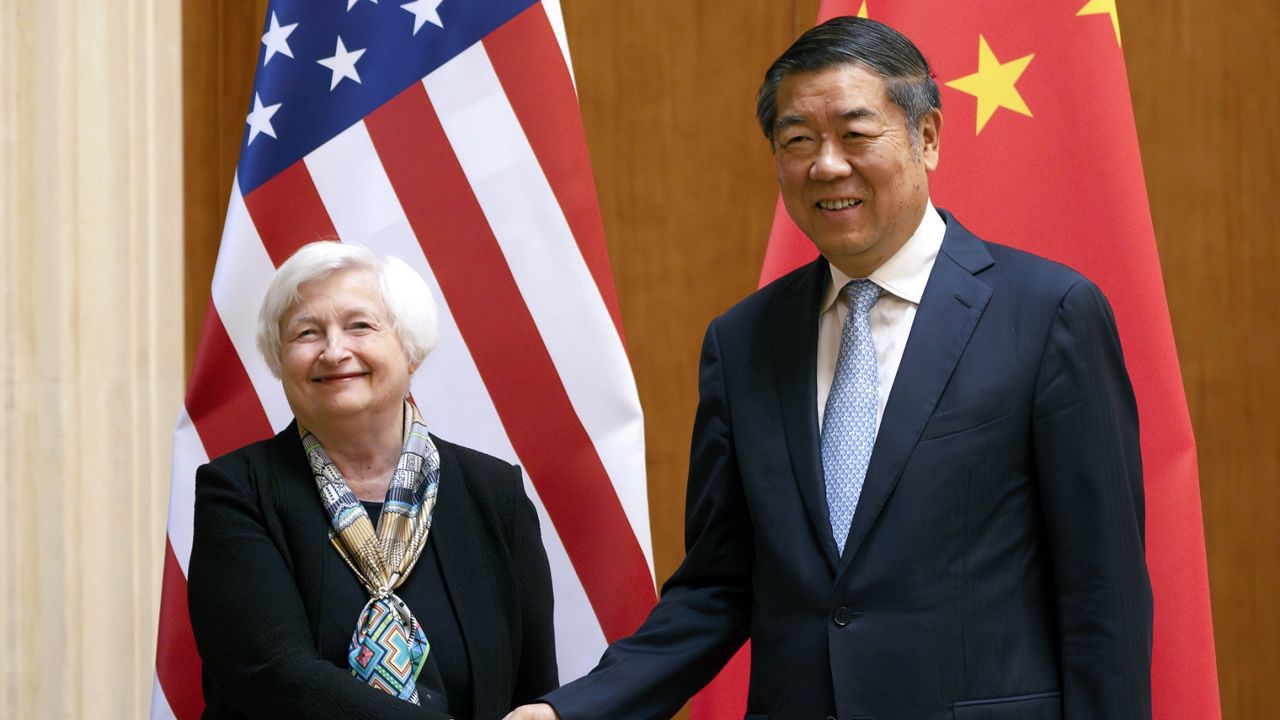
(334, 349)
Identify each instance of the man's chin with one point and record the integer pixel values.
(854, 257)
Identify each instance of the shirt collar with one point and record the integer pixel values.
(907, 272)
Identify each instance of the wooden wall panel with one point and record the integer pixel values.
(1204, 80)
(220, 42)
(686, 190)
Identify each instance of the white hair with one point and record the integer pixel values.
(404, 292)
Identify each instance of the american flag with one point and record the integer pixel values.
(445, 133)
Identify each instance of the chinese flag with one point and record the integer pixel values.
(1039, 151)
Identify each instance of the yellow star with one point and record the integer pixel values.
(993, 84)
(1103, 7)
(862, 11)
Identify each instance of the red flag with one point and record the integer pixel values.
(1040, 151)
(448, 137)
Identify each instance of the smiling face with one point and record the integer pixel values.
(340, 357)
(851, 177)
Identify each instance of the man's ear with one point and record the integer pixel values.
(930, 138)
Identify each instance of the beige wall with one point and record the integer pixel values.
(91, 356)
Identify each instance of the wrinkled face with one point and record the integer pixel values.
(850, 176)
(340, 357)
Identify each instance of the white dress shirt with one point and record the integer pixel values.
(901, 279)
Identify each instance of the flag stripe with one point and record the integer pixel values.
(528, 62)
(160, 709)
(538, 246)
(372, 217)
(288, 213)
(239, 285)
(518, 372)
(232, 416)
(448, 386)
(177, 662)
(188, 454)
(555, 16)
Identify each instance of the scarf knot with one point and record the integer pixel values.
(388, 648)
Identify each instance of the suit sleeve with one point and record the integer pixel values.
(704, 613)
(250, 624)
(1085, 430)
(536, 669)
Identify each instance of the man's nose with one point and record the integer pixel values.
(830, 163)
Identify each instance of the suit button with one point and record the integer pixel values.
(831, 717)
(843, 616)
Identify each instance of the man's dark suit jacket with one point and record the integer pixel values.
(262, 575)
(994, 568)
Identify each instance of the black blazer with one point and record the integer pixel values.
(994, 568)
(260, 578)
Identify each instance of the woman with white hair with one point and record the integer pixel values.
(355, 565)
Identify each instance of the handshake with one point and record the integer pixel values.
(538, 711)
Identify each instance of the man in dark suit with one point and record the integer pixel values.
(915, 480)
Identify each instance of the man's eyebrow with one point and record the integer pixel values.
(787, 121)
(860, 113)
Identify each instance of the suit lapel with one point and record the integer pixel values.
(465, 570)
(796, 328)
(305, 525)
(952, 303)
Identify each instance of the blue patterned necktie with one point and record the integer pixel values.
(849, 423)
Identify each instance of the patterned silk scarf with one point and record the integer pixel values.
(388, 647)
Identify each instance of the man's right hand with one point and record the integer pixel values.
(539, 711)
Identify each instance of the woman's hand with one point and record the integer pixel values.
(538, 711)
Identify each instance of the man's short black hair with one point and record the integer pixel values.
(856, 41)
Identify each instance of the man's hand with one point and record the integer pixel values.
(540, 711)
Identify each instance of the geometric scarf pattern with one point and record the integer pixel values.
(388, 647)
